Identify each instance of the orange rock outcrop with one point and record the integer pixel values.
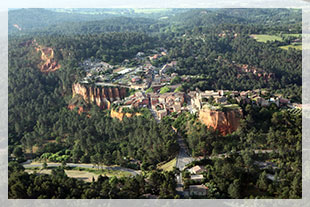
(225, 122)
(119, 115)
(47, 56)
(101, 96)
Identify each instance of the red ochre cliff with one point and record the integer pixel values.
(101, 96)
(224, 121)
(49, 64)
(120, 115)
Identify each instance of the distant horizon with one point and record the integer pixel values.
(151, 4)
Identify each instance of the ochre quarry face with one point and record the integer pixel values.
(224, 122)
(102, 97)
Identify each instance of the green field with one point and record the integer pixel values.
(109, 173)
(168, 166)
(265, 38)
(297, 47)
(85, 174)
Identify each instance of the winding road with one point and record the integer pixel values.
(182, 160)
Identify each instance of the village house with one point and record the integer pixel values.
(164, 104)
(243, 100)
(197, 177)
(167, 66)
(165, 79)
(140, 54)
(154, 100)
(164, 69)
(135, 79)
(245, 93)
(274, 100)
(234, 93)
(157, 79)
(261, 101)
(154, 57)
(198, 98)
(139, 99)
(174, 75)
(284, 101)
(196, 169)
(198, 190)
(220, 99)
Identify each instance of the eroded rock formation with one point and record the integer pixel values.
(49, 64)
(224, 121)
(119, 115)
(101, 96)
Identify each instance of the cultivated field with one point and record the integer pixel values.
(168, 166)
(264, 38)
(296, 46)
(84, 174)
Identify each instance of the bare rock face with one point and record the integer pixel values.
(224, 121)
(116, 114)
(110, 94)
(49, 64)
(120, 115)
(81, 90)
(102, 97)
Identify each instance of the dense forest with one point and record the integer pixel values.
(210, 46)
(213, 61)
(42, 115)
(238, 173)
(59, 186)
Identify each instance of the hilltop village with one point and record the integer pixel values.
(138, 83)
(137, 103)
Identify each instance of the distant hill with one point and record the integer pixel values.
(131, 12)
(80, 21)
(204, 17)
(23, 19)
(114, 24)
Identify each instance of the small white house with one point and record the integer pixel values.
(196, 169)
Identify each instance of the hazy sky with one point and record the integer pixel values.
(149, 3)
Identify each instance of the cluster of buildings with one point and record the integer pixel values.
(147, 76)
(160, 53)
(95, 66)
(196, 177)
(261, 98)
(137, 100)
(256, 71)
(172, 64)
(164, 104)
(160, 104)
(200, 98)
(139, 77)
(230, 33)
(257, 97)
